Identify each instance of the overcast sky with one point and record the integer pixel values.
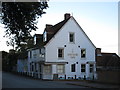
(99, 20)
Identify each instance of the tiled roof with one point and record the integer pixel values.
(50, 34)
(108, 60)
(54, 29)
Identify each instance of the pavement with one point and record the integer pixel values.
(96, 85)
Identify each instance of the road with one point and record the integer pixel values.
(10, 80)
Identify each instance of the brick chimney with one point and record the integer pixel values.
(66, 16)
(48, 26)
(98, 51)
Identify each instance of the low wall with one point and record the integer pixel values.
(106, 76)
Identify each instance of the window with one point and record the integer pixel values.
(71, 37)
(83, 53)
(60, 68)
(82, 67)
(39, 51)
(73, 68)
(30, 54)
(60, 53)
(32, 68)
(34, 40)
(91, 67)
(47, 69)
(45, 36)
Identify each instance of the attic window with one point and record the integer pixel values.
(71, 37)
(34, 40)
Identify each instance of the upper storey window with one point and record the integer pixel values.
(71, 37)
(83, 53)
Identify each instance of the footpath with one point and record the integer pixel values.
(97, 85)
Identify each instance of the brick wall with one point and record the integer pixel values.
(106, 76)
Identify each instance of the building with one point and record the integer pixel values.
(108, 67)
(64, 52)
(4, 60)
(107, 61)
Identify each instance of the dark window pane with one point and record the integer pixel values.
(82, 67)
(73, 68)
(71, 37)
(60, 53)
(91, 67)
(83, 53)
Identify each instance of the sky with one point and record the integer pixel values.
(99, 20)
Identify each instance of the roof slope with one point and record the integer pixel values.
(54, 29)
(109, 60)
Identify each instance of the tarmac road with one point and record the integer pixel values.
(10, 80)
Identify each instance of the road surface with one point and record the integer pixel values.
(10, 80)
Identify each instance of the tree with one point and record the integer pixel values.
(20, 18)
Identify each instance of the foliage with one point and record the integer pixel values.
(20, 18)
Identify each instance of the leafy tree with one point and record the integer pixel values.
(20, 18)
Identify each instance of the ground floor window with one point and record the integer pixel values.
(60, 68)
(91, 67)
(83, 67)
(47, 68)
(73, 68)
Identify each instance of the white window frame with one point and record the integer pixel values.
(60, 53)
(45, 36)
(47, 69)
(83, 68)
(91, 67)
(61, 68)
(73, 37)
(84, 53)
(73, 67)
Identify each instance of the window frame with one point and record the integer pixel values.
(47, 69)
(83, 68)
(45, 36)
(61, 55)
(82, 52)
(91, 68)
(73, 37)
(60, 69)
(73, 67)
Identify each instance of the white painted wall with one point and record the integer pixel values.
(36, 56)
(61, 39)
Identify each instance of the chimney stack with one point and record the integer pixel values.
(48, 26)
(98, 51)
(66, 16)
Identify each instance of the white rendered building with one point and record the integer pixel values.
(64, 51)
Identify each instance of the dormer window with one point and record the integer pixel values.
(45, 36)
(34, 40)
